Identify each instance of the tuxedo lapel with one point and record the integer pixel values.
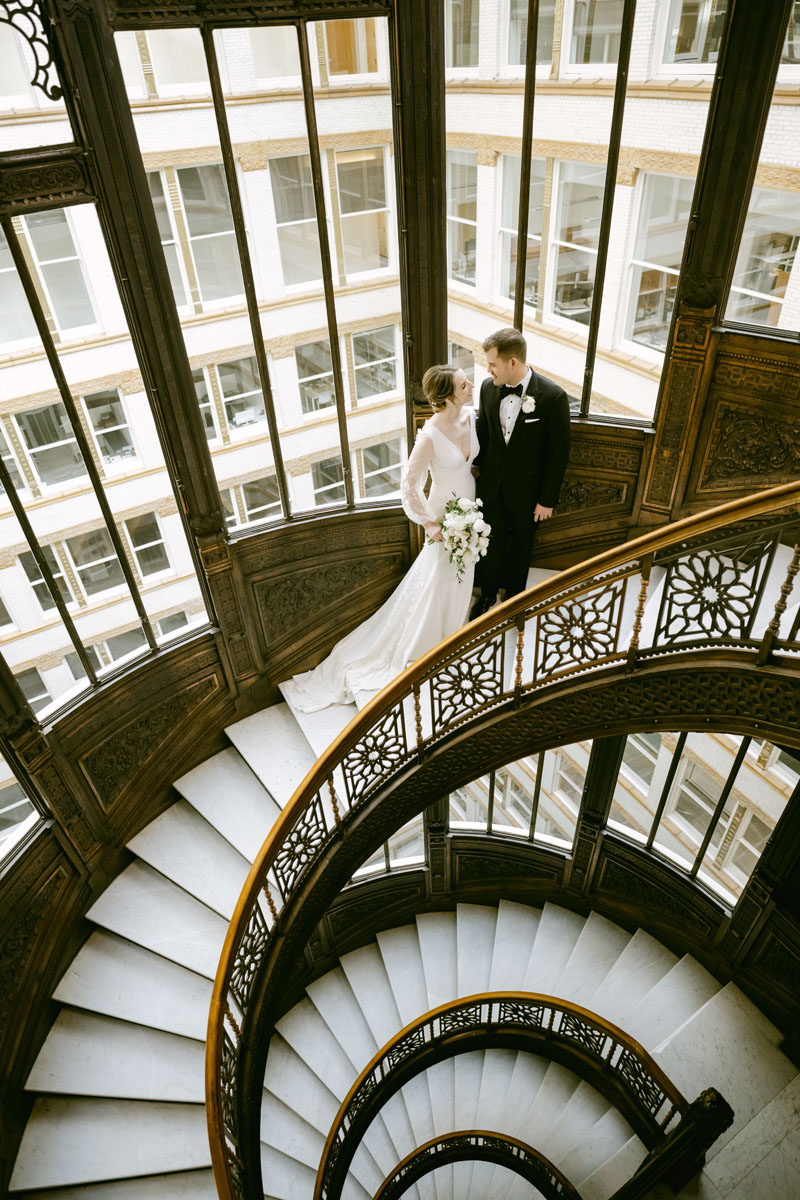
(531, 390)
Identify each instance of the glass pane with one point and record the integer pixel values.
(514, 787)
(261, 499)
(361, 180)
(595, 31)
(518, 32)
(17, 813)
(695, 31)
(275, 53)
(382, 466)
(469, 805)
(407, 846)
(365, 242)
(563, 777)
(16, 319)
(47, 433)
(461, 33)
(766, 257)
(96, 561)
(123, 644)
(352, 47)
(328, 480)
(178, 61)
(645, 762)
(701, 774)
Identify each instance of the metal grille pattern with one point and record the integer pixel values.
(468, 683)
(375, 756)
(299, 849)
(249, 954)
(585, 629)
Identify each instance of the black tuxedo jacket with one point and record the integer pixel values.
(527, 470)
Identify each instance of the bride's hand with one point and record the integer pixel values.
(434, 531)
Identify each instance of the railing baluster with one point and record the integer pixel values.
(518, 658)
(646, 568)
(772, 630)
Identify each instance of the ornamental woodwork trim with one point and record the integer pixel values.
(130, 14)
(577, 495)
(43, 179)
(750, 450)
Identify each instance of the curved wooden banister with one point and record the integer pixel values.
(384, 738)
(607, 1057)
(485, 1145)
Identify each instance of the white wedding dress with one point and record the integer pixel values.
(427, 605)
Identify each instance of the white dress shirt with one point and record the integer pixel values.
(510, 407)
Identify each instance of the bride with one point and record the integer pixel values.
(429, 603)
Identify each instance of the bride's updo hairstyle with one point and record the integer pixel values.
(438, 384)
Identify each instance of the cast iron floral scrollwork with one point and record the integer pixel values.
(582, 1032)
(644, 1086)
(582, 630)
(228, 1073)
(406, 1047)
(464, 686)
(249, 956)
(300, 846)
(26, 17)
(460, 1018)
(375, 756)
(531, 1016)
(710, 595)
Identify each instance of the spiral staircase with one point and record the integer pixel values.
(119, 1083)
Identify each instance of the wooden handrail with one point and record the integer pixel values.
(494, 1002)
(435, 1151)
(405, 686)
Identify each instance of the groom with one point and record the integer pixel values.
(523, 430)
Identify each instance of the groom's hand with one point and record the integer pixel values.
(540, 513)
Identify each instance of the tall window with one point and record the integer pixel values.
(578, 212)
(275, 53)
(10, 464)
(179, 64)
(595, 31)
(663, 218)
(694, 31)
(48, 435)
(362, 199)
(461, 27)
(262, 501)
(148, 543)
(766, 257)
(16, 320)
(352, 47)
(461, 357)
(60, 269)
(205, 403)
(509, 223)
(95, 561)
(462, 213)
(328, 480)
(34, 689)
(211, 236)
(375, 362)
(36, 579)
(295, 212)
(382, 467)
(315, 375)
(518, 32)
(168, 237)
(241, 392)
(110, 425)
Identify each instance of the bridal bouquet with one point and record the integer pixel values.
(465, 533)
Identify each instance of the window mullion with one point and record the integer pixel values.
(525, 161)
(612, 162)
(44, 567)
(237, 213)
(77, 427)
(723, 799)
(671, 773)
(325, 257)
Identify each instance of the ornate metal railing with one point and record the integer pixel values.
(724, 577)
(603, 1054)
(486, 1146)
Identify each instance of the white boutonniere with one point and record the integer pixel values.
(529, 404)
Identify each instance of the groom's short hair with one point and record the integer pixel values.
(509, 343)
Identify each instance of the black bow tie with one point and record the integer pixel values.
(505, 390)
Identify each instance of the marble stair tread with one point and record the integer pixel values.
(370, 985)
(286, 1130)
(402, 962)
(556, 937)
(286, 1178)
(476, 925)
(297, 1085)
(323, 727)
(527, 1077)
(641, 965)
(579, 1146)
(614, 1172)
(670, 1002)
(437, 941)
(515, 933)
(275, 748)
(183, 1185)
(495, 1085)
(333, 998)
(699, 1055)
(600, 944)
(112, 976)
(417, 1099)
(553, 1095)
(145, 907)
(304, 1029)
(75, 1140)
(776, 1125)
(183, 846)
(225, 791)
(441, 1086)
(86, 1054)
(467, 1081)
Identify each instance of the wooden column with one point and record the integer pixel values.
(748, 64)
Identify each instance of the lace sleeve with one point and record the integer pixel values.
(415, 473)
